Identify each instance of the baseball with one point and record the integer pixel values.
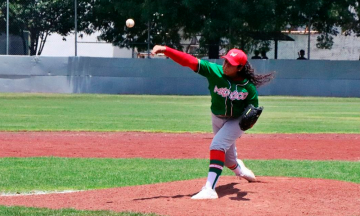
(130, 23)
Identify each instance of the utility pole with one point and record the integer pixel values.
(75, 6)
(309, 28)
(7, 27)
(148, 39)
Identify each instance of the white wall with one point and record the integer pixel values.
(87, 46)
(344, 48)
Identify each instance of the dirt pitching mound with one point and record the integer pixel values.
(269, 196)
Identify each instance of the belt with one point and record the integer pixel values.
(224, 116)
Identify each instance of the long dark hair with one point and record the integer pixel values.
(248, 72)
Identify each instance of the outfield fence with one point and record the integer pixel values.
(164, 77)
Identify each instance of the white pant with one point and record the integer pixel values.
(226, 132)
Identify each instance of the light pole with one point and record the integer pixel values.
(309, 28)
(75, 6)
(148, 40)
(157, 16)
(7, 27)
(130, 41)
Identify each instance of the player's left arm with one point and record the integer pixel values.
(249, 117)
(252, 110)
(252, 97)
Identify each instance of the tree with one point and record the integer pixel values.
(220, 24)
(232, 23)
(326, 17)
(156, 22)
(42, 18)
(208, 20)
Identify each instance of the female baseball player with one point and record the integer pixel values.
(232, 87)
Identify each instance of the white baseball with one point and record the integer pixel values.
(130, 23)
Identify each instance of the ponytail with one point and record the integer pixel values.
(248, 72)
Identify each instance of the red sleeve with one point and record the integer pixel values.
(182, 58)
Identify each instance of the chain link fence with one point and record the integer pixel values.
(14, 44)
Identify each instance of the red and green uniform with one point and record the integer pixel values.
(228, 98)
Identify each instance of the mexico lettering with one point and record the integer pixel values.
(235, 95)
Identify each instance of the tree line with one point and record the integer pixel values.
(216, 23)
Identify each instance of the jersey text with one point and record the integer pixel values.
(235, 95)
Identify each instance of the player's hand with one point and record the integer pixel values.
(158, 49)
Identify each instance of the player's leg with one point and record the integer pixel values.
(237, 165)
(226, 132)
(208, 191)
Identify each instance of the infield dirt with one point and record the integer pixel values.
(268, 196)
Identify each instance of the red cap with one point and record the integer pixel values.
(236, 57)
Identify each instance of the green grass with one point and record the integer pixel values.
(49, 112)
(337, 170)
(74, 112)
(22, 211)
(52, 173)
(85, 112)
(24, 175)
(309, 115)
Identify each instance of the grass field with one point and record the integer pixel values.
(22, 211)
(53, 112)
(23, 175)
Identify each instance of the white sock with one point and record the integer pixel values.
(211, 180)
(236, 170)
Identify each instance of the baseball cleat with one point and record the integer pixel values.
(206, 193)
(245, 172)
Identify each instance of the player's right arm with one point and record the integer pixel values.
(179, 57)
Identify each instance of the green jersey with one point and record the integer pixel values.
(228, 98)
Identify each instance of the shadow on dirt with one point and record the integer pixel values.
(223, 190)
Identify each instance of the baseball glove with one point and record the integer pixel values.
(249, 117)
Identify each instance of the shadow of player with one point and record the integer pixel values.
(223, 190)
